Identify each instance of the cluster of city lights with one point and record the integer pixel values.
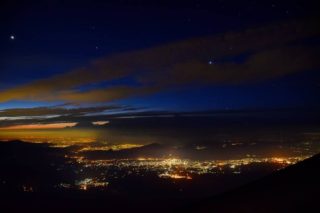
(91, 183)
(114, 147)
(173, 168)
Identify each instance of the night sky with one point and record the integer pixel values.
(79, 57)
(159, 105)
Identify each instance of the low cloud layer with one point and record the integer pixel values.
(53, 115)
(47, 111)
(270, 51)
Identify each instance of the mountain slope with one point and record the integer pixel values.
(294, 189)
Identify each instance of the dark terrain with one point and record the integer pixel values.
(293, 189)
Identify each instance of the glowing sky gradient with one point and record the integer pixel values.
(126, 61)
(39, 126)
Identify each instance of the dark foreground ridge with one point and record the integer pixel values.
(293, 189)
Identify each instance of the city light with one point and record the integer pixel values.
(168, 168)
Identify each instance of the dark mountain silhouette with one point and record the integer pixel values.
(150, 150)
(293, 189)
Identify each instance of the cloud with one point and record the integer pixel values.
(39, 126)
(60, 114)
(100, 123)
(263, 65)
(100, 95)
(272, 51)
(49, 111)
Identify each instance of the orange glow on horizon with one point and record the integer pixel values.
(100, 123)
(40, 126)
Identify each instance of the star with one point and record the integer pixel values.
(12, 37)
(211, 62)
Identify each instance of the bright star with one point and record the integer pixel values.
(211, 62)
(12, 37)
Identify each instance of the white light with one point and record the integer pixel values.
(12, 37)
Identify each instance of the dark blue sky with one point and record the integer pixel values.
(55, 37)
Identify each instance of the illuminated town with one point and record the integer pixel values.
(168, 168)
(97, 165)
